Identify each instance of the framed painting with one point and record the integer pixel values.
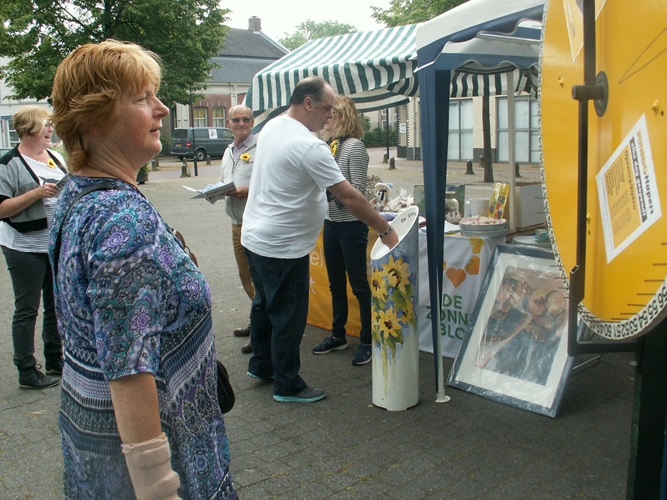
(515, 350)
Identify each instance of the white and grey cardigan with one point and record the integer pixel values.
(16, 178)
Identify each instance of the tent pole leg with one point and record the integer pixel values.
(440, 396)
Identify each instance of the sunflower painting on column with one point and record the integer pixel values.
(393, 292)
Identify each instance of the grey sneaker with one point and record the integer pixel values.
(330, 344)
(257, 377)
(362, 355)
(308, 395)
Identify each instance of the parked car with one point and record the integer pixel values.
(204, 141)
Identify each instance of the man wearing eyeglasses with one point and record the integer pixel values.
(284, 216)
(236, 166)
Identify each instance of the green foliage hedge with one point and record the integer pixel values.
(378, 137)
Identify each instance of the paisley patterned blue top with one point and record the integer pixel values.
(128, 301)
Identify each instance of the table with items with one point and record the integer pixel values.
(466, 260)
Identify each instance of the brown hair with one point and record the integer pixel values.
(87, 85)
(30, 120)
(312, 86)
(347, 118)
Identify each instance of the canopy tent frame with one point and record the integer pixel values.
(435, 78)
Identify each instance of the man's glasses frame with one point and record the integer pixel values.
(245, 119)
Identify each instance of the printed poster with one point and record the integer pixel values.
(628, 191)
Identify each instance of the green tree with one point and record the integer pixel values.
(402, 12)
(310, 30)
(37, 35)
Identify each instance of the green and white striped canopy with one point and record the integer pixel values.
(374, 68)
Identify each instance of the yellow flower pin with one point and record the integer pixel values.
(334, 146)
(245, 157)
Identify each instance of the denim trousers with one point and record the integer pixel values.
(345, 246)
(278, 319)
(32, 280)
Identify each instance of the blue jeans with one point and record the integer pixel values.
(278, 319)
(345, 254)
(32, 279)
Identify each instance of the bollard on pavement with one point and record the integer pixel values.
(184, 168)
(469, 170)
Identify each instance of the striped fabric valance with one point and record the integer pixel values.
(466, 83)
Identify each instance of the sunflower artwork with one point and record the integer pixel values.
(393, 293)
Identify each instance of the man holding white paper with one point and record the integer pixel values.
(236, 167)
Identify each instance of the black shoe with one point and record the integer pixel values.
(242, 332)
(54, 366)
(330, 344)
(32, 378)
(362, 355)
(247, 348)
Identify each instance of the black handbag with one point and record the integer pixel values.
(226, 396)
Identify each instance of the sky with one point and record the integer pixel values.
(280, 17)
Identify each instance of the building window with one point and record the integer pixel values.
(460, 142)
(526, 130)
(219, 117)
(200, 116)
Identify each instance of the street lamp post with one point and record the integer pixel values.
(387, 125)
(194, 135)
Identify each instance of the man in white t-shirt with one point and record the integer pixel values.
(283, 217)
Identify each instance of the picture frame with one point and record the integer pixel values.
(515, 349)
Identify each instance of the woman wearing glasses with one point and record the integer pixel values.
(345, 237)
(28, 193)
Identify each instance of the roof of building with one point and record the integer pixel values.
(236, 70)
(245, 52)
(251, 44)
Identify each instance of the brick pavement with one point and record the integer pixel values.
(344, 447)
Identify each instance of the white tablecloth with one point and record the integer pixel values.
(465, 263)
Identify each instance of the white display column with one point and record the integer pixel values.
(395, 335)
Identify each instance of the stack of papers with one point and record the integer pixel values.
(213, 192)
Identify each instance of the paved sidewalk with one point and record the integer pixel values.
(343, 446)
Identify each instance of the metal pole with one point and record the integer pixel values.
(387, 125)
(194, 135)
(513, 208)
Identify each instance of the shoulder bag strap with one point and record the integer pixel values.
(102, 186)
